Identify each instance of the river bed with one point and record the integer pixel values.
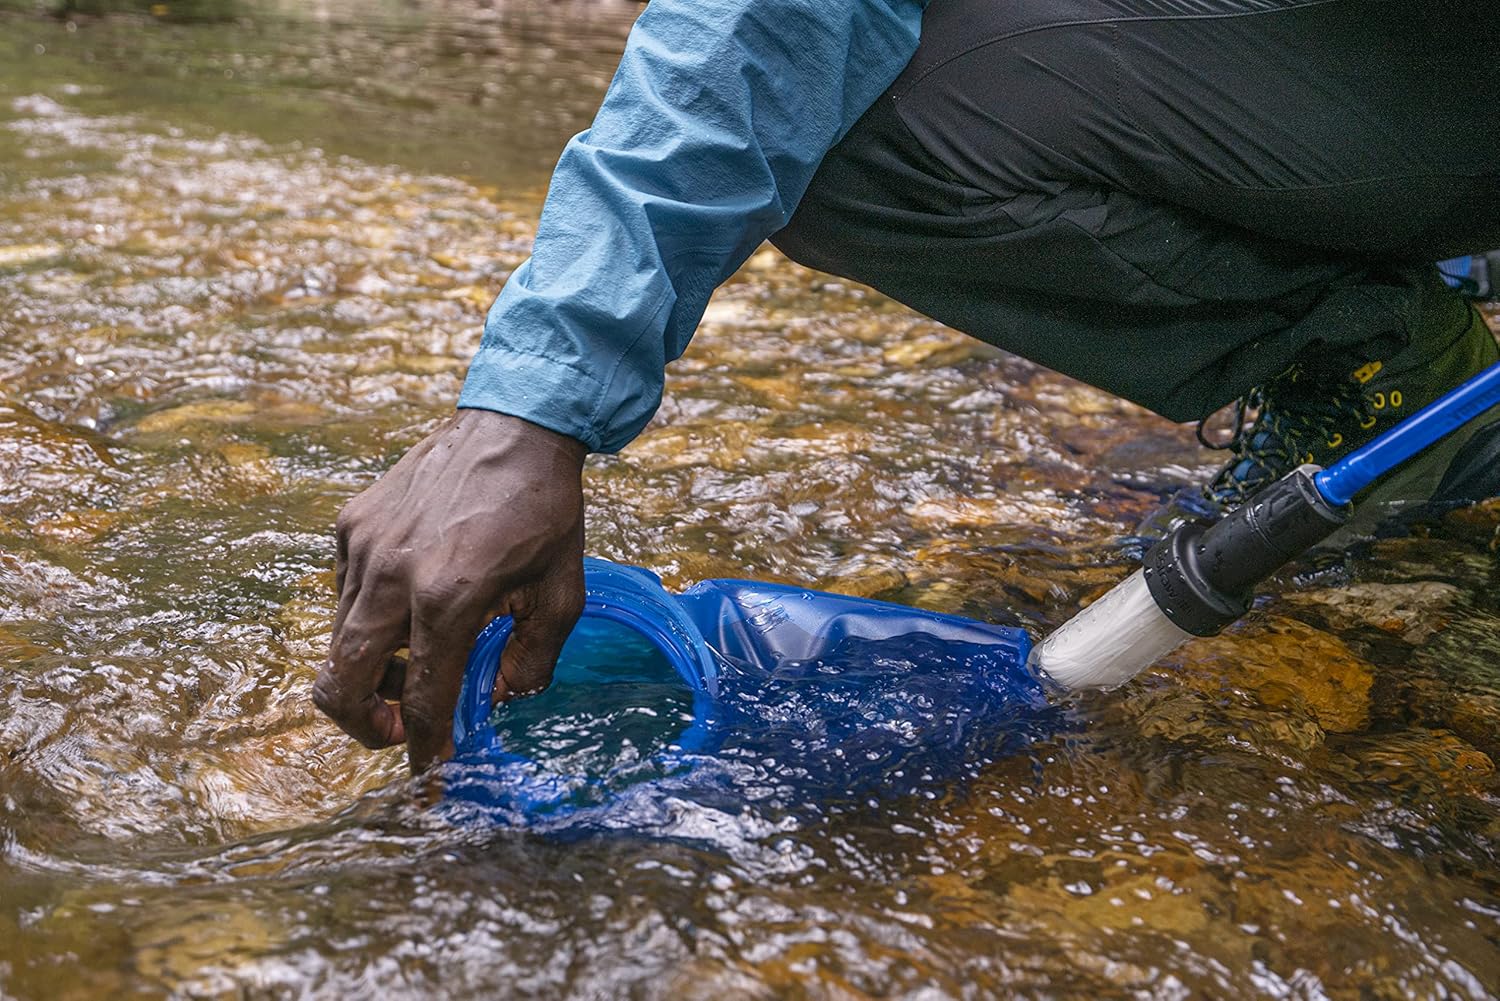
(244, 259)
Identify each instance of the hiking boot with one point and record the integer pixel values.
(1321, 409)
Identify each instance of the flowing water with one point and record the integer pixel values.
(615, 702)
(245, 250)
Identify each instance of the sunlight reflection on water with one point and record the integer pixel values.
(225, 307)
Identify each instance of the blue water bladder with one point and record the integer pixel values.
(681, 689)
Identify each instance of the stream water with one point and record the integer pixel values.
(244, 257)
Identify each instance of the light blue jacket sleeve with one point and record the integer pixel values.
(718, 116)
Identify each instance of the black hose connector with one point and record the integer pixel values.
(1203, 576)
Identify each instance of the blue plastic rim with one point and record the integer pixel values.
(628, 596)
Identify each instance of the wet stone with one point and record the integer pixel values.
(20, 255)
(1480, 522)
(199, 945)
(1414, 612)
(1183, 715)
(251, 467)
(936, 350)
(1475, 717)
(476, 298)
(206, 412)
(872, 582)
(1414, 756)
(80, 525)
(1285, 663)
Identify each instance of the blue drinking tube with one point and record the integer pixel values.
(1202, 576)
(1341, 482)
(1456, 271)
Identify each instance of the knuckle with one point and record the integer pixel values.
(346, 520)
(529, 676)
(350, 713)
(387, 568)
(374, 741)
(527, 669)
(424, 713)
(383, 571)
(350, 645)
(330, 697)
(571, 607)
(437, 600)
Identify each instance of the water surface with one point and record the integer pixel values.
(242, 266)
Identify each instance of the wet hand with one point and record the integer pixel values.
(484, 517)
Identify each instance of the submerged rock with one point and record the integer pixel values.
(1285, 664)
(1181, 714)
(20, 255)
(1414, 755)
(15, 647)
(1478, 521)
(251, 468)
(1131, 901)
(1475, 716)
(198, 944)
(202, 412)
(869, 582)
(79, 525)
(476, 298)
(1415, 612)
(937, 350)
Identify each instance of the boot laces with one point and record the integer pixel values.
(1294, 413)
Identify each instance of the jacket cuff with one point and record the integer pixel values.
(541, 390)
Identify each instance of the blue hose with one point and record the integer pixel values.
(1341, 482)
(1456, 271)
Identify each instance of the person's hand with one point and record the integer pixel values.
(484, 517)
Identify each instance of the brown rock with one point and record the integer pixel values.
(429, 364)
(1181, 714)
(728, 312)
(202, 412)
(777, 390)
(869, 582)
(937, 349)
(80, 525)
(16, 648)
(1479, 521)
(722, 446)
(1285, 663)
(1475, 716)
(1414, 612)
(937, 513)
(1169, 713)
(20, 255)
(763, 260)
(1134, 900)
(1412, 755)
(477, 298)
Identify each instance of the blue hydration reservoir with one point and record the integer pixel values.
(735, 689)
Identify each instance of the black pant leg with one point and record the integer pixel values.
(1009, 186)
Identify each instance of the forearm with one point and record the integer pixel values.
(716, 120)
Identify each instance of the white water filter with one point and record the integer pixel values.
(1109, 642)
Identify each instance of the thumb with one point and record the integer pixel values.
(544, 615)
